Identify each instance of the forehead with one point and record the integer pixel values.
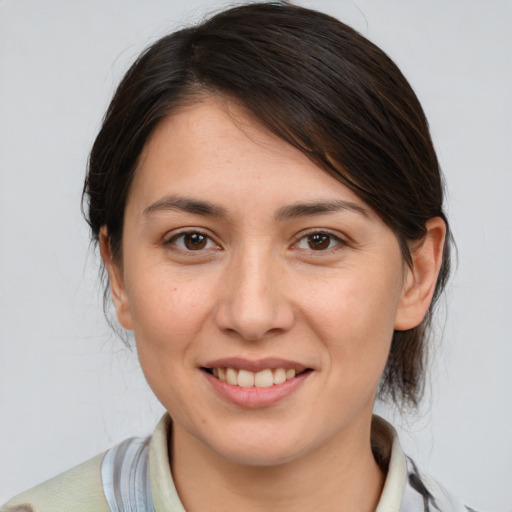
(216, 150)
(219, 133)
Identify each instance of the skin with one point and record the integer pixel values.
(258, 289)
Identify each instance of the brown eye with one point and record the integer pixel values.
(195, 241)
(319, 241)
(192, 241)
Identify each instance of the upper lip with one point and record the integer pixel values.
(255, 365)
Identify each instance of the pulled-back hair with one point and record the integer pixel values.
(312, 81)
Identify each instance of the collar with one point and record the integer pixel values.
(385, 445)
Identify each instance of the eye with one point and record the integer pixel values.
(319, 241)
(192, 241)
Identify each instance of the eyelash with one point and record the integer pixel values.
(332, 238)
(338, 242)
(183, 234)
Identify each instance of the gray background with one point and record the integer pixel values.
(68, 388)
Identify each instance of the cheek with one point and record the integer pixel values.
(167, 314)
(354, 317)
(167, 319)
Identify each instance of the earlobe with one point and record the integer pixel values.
(116, 281)
(421, 276)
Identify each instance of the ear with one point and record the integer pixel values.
(116, 281)
(421, 276)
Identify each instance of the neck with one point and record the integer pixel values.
(341, 475)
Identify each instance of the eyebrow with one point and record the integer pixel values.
(188, 205)
(317, 208)
(292, 211)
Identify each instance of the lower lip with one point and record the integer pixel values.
(254, 397)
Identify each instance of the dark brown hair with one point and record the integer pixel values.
(314, 82)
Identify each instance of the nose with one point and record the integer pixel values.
(253, 303)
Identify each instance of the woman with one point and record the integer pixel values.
(269, 209)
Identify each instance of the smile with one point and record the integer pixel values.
(251, 383)
(261, 379)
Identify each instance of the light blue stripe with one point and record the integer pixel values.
(125, 477)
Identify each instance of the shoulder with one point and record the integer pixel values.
(424, 493)
(76, 490)
(406, 489)
(113, 479)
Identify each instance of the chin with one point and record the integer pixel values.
(264, 446)
(260, 455)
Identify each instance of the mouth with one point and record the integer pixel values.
(256, 383)
(264, 378)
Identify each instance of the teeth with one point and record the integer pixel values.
(247, 379)
(279, 375)
(232, 376)
(290, 374)
(263, 379)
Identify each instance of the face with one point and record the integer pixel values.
(262, 292)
